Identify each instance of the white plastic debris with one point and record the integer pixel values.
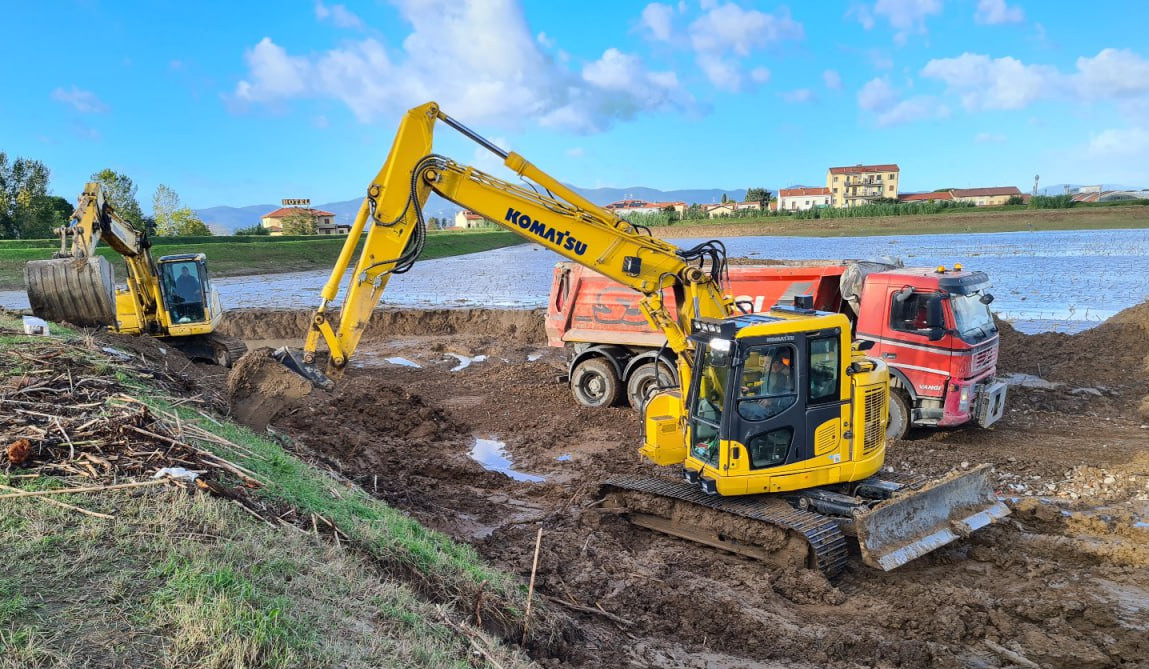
(177, 473)
(35, 326)
(122, 355)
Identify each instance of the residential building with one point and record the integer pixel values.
(730, 208)
(985, 197)
(323, 219)
(467, 219)
(936, 196)
(861, 184)
(801, 199)
(624, 207)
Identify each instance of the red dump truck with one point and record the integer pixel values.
(932, 326)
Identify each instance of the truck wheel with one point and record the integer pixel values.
(899, 423)
(594, 383)
(644, 381)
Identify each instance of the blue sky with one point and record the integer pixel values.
(242, 102)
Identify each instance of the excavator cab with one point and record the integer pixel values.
(185, 287)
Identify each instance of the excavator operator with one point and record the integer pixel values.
(189, 297)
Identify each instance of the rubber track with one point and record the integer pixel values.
(821, 532)
(235, 347)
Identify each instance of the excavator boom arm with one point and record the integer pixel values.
(560, 220)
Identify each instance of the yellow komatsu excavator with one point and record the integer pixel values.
(172, 298)
(776, 421)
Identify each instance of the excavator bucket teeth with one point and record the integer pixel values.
(81, 291)
(295, 363)
(916, 522)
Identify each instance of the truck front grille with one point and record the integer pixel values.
(874, 398)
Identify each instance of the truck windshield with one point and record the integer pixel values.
(973, 319)
(709, 403)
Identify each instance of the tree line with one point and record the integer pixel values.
(29, 211)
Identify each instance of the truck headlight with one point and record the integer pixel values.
(963, 401)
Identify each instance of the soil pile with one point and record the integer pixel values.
(524, 325)
(259, 388)
(1115, 353)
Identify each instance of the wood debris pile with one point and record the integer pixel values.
(64, 412)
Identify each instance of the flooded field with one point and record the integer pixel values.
(1062, 281)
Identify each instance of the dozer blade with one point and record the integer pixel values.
(916, 522)
(81, 291)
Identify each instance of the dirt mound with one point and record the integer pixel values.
(1115, 353)
(259, 388)
(524, 325)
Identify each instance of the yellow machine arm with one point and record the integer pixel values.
(560, 220)
(95, 220)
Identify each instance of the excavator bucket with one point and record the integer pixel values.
(915, 522)
(81, 291)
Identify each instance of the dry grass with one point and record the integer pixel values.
(181, 579)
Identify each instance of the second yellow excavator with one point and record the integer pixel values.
(171, 298)
(776, 421)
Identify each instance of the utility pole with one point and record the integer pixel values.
(1036, 177)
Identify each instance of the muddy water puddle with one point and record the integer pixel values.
(492, 455)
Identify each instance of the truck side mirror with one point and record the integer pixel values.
(935, 318)
(903, 294)
(986, 299)
(865, 344)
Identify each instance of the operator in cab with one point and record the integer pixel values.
(189, 297)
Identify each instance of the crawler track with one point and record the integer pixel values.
(826, 544)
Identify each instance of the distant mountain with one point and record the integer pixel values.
(232, 218)
(1062, 189)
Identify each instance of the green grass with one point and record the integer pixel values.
(264, 257)
(183, 579)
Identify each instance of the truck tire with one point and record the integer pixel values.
(644, 381)
(899, 423)
(595, 383)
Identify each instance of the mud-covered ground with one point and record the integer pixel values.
(1063, 583)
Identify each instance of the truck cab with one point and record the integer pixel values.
(934, 330)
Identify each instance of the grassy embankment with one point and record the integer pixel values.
(181, 578)
(265, 256)
(987, 219)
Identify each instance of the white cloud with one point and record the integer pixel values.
(576, 152)
(339, 15)
(546, 41)
(994, 12)
(799, 95)
(876, 94)
(993, 83)
(513, 82)
(879, 97)
(726, 32)
(832, 79)
(1007, 83)
(1113, 73)
(1125, 142)
(656, 18)
(82, 101)
(906, 17)
(760, 75)
(989, 138)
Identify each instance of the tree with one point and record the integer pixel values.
(121, 192)
(671, 213)
(26, 208)
(761, 195)
(300, 222)
(724, 198)
(256, 229)
(172, 219)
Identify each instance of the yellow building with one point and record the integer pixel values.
(986, 197)
(861, 184)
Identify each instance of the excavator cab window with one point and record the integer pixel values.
(708, 402)
(184, 288)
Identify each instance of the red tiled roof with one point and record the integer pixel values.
(284, 212)
(641, 204)
(926, 197)
(857, 169)
(984, 192)
(802, 192)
